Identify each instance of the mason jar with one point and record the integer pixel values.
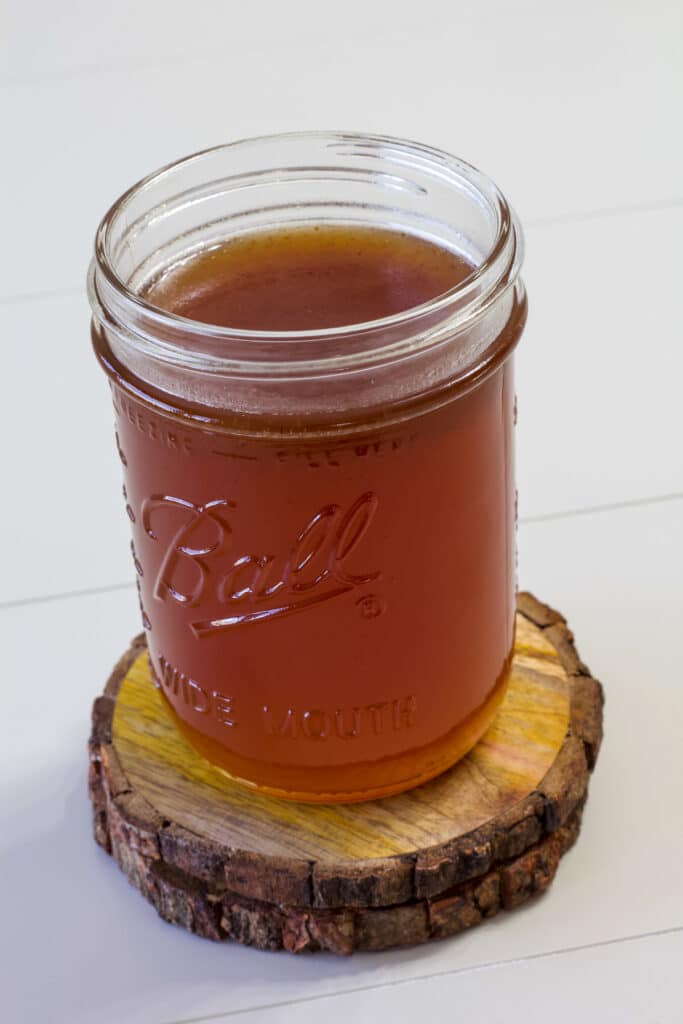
(323, 521)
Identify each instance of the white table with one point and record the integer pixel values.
(575, 109)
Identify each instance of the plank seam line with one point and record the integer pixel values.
(427, 977)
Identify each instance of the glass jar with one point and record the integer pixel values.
(323, 521)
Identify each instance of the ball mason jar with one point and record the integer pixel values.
(323, 521)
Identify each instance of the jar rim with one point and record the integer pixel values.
(158, 331)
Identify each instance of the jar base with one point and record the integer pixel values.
(227, 863)
(349, 784)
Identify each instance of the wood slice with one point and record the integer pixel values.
(229, 862)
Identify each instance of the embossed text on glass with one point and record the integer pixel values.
(199, 544)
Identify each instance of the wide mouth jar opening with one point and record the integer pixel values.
(297, 180)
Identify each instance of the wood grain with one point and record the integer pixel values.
(229, 862)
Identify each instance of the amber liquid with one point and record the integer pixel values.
(329, 609)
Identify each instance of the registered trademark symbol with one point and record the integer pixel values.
(370, 606)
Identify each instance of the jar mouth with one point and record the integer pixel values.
(397, 166)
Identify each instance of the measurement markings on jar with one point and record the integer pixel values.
(151, 427)
(235, 455)
(326, 458)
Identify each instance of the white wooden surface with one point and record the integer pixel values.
(576, 110)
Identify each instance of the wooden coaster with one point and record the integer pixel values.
(228, 862)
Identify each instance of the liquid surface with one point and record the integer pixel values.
(308, 279)
(329, 618)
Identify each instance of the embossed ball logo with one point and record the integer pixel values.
(198, 563)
